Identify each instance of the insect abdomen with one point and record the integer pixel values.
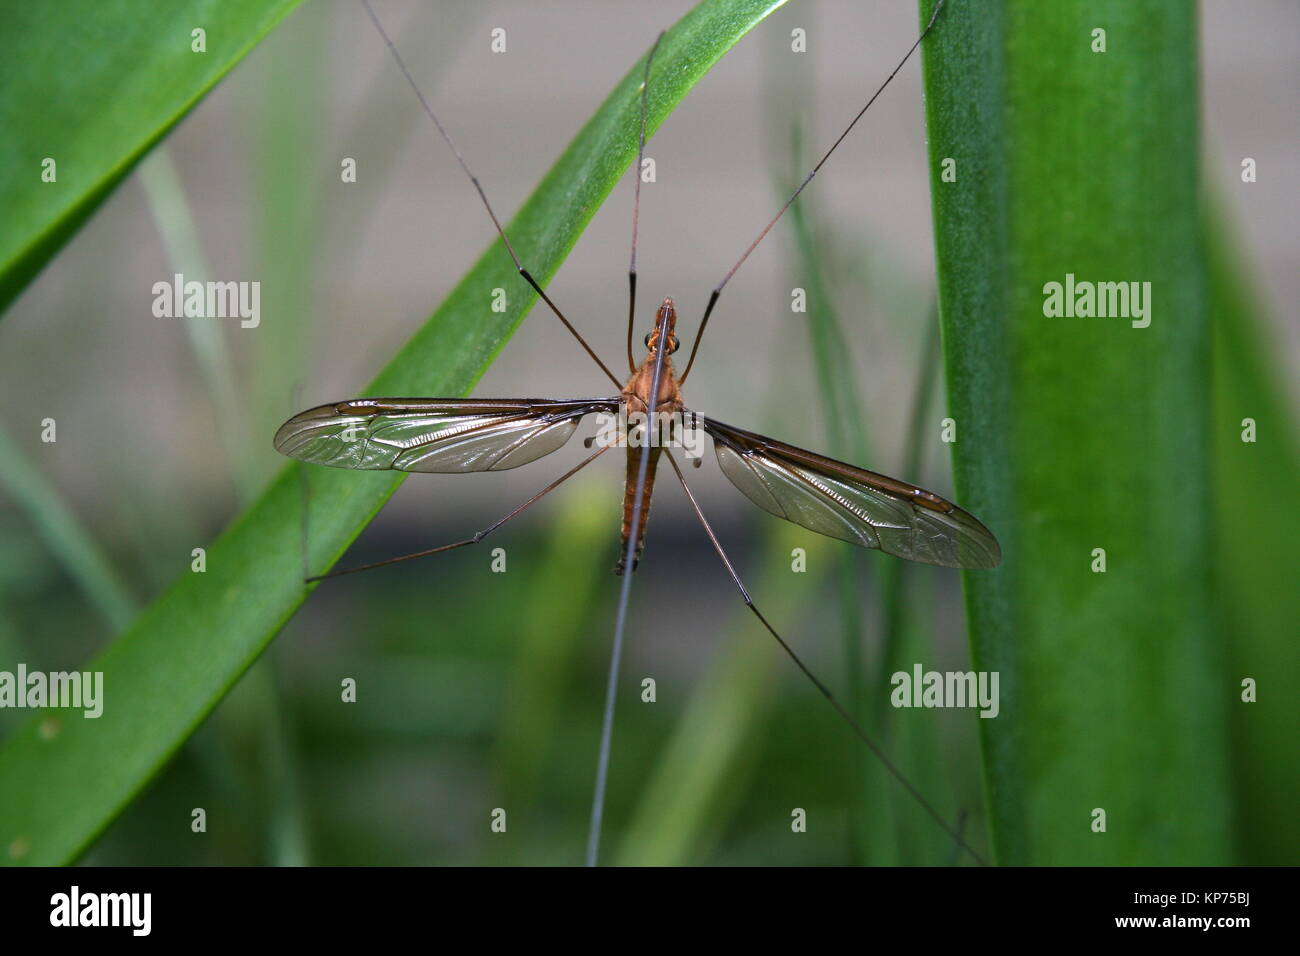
(629, 495)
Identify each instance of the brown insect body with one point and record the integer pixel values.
(636, 400)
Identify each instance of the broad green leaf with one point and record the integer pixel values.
(1081, 435)
(60, 788)
(91, 85)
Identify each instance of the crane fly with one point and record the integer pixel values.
(458, 436)
(468, 435)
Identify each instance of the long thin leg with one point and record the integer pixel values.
(636, 205)
(478, 536)
(955, 859)
(483, 196)
(857, 728)
(620, 622)
(717, 290)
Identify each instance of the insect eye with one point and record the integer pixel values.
(675, 345)
(647, 339)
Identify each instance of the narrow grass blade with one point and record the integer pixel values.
(76, 550)
(707, 758)
(548, 643)
(180, 238)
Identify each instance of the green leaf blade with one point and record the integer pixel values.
(125, 76)
(1077, 434)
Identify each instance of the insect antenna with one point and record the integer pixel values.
(717, 290)
(866, 738)
(401, 64)
(636, 205)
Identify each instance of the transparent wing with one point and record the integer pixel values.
(445, 435)
(850, 503)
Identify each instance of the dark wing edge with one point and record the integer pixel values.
(434, 435)
(843, 501)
